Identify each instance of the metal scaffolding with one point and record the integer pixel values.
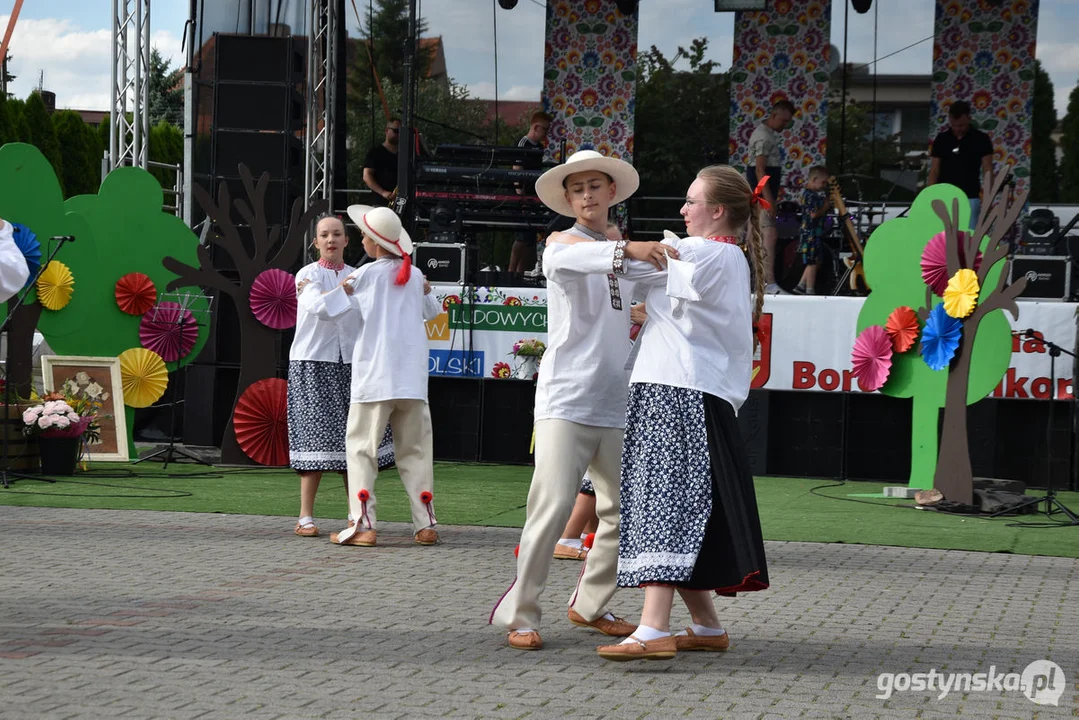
(321, 100)
(129, 135)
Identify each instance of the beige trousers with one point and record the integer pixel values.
(564, 450)
(411, 423)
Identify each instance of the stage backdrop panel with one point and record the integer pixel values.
(805, 341)
(590, 77)
(782, 53)
(984, 54)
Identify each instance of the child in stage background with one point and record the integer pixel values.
(815, 206)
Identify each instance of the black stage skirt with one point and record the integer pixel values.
(689, 511)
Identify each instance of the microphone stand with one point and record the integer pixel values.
(1052, 504)
(7, 476)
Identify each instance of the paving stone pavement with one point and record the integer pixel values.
(110, 614)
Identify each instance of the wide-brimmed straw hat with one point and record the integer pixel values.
(383, 226)
(550, 190)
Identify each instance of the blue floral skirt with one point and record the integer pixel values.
(689, 512)
(319, 394)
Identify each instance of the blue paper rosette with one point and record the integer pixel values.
(27, 243)
(940, 338)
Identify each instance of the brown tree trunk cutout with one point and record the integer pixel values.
(954, 477)
(257, 342)
(20, 373)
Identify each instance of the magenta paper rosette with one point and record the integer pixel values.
(273, 299)
(935, 261)
(169, 330)
(871, 359)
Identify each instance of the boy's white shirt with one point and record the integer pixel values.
(390, 360)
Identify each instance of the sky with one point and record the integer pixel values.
(69, 40)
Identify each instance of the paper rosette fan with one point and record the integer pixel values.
(144, 377)
(273, 299)
(135, 293)
(261, 423)
(902, 328)
(871, 359)
(961, 295)
(169, 330)
(940, 338)
(935, 261)
(26, 240)
(55, 286)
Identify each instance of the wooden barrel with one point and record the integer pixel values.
(23, 454)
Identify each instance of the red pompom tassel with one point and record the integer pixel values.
(363, 495)
(426, 497)
(589, 539)
(405, 272)
(516, 551)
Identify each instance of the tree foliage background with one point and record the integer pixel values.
(1044, 172)
(1069, 143)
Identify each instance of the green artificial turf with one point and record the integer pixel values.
(791, 509)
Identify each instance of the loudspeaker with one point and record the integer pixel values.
(508, 407)
(273, 107)
(279, 154)
(455, 417)
(805, 434)
(257, 59)
(445, 262)
(280, 196)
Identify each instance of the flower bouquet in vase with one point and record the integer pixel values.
(527, 354)
(61, 425)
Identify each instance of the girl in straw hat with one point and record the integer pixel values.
(389, 375)
(689, 514)
(580, 403)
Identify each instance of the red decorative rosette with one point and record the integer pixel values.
(135, 293)
(501, 370)
(426, 497)
(512, 301)
(363, 496)
(261, 423)
(450, 300)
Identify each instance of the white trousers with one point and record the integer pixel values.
(411, 423)
(564, 450)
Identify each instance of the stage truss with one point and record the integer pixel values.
(129, 136)
(321, 101)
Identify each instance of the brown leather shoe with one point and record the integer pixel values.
(364, 538)
(525, 640)
(306, 530)
(615, 628)
(427, 536)
(663, 648)
(565, 552)
(691, 641)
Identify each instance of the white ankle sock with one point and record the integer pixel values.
(523, 630)
(704, 631)
(609, 616)
(644, 634)
(305, 521)
(570, 542)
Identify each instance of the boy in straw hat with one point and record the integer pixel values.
(389, 375)
(580, 403)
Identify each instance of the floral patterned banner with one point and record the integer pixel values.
(782, 53)
(590, 77)
(984, 54)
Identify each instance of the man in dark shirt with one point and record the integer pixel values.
(380, 167)
(962, 156)
(523, 252)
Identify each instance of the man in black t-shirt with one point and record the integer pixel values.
(962, 156)
(523, 252)
(380, 166)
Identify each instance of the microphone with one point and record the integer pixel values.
(64, 238)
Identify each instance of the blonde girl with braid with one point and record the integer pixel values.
(689, 519)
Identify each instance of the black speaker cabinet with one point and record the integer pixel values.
(258, 58)
(242, 106)
(445, 262)
(279, 154)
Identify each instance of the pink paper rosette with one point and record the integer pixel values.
(169, 330)
(273, 299)
(871, 359)
(935, 261)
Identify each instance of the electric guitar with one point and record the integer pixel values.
(857, 270)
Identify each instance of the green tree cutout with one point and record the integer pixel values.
(120, 230)
(893, 270)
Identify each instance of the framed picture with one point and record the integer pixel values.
(97, 378)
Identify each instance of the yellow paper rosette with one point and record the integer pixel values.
(144, 377)
(961, 295)
(55, 285)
